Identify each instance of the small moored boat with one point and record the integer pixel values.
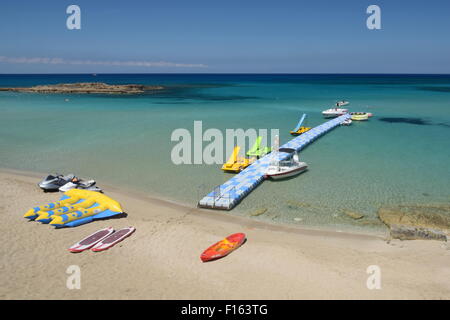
(257, 150)
(342, 103)
(334, 112)
(300, 128)
(289, 167)
(236, 163)
(54, 182)
(77, 183)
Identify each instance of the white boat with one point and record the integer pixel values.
(77, 183)
(346, 122)
(342, 103)
(289, 167)
(334, 112)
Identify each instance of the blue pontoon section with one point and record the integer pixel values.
(229, 194)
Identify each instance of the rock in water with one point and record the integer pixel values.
(417, 222)
(87, 87)
(353, 214)
(403, 232)
(258, 212)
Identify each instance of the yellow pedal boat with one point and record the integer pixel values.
(236, 163)
(299, 129)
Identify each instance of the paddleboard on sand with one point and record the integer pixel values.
(113, 239)
(91, 240)
(223, 247)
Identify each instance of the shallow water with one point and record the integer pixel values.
(400, 156)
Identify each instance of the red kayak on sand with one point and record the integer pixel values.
(223, 247)
(91, 240)
(113, 239)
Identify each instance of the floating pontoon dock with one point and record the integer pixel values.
(229, 194)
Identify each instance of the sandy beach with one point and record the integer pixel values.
(161, 260)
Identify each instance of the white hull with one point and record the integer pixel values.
(85, 185)
(335, 112)
(285, 172)
(333, 115)
(342, 103)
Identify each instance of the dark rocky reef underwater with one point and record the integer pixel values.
(430, 222)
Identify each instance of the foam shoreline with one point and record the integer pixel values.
(215, 215)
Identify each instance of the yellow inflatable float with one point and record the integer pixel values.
(75, 207)
(359, 116)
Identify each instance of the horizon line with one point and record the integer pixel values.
(227, 73)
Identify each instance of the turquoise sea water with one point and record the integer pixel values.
(400, 156)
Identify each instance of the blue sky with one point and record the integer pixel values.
(315, 36)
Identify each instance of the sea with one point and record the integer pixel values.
(401, 156)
